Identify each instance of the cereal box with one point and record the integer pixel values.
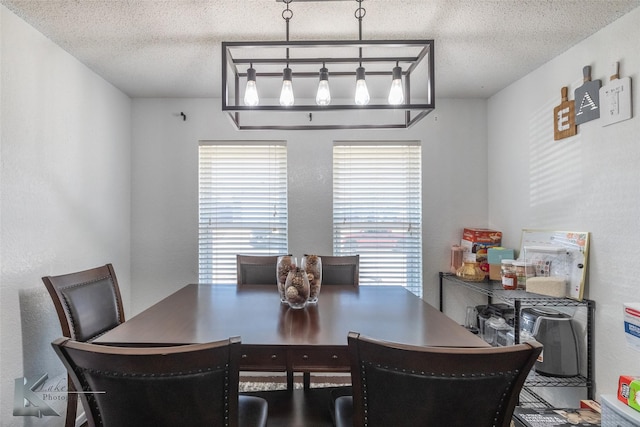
(476, 242)
(629, 391)
(482, 235)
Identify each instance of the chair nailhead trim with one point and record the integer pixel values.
(226, 394)
(91, 397)
(364, 364)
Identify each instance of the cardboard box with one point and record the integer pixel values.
(476, 252)
(632, 324)
(589, 403)
(482, 235)
(497, 254)
(629, 391)
(476, 242)
(495, 272)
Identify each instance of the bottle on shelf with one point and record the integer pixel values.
(508, 275)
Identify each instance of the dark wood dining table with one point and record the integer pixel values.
(276, 337)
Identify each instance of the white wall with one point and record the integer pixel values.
(65, 193)
(588, 182)
(85, 171)
(165, 179)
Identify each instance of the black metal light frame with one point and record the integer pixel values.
(238, 56)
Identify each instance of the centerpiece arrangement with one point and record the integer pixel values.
(299, 285)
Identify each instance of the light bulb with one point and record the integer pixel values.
(323, 97)
(251, 94)
(286, 94)
(396, 94)
(362, 93)
(251, 98)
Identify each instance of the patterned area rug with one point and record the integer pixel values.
(248, 384)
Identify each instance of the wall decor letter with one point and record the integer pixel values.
(564, 124)
(587, 98)
(616, 98)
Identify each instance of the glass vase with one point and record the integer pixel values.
(284, 265)
(312, 265)
(296, 288)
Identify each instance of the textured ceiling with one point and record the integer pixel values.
(171, 48)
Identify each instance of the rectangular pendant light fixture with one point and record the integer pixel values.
(338, 60)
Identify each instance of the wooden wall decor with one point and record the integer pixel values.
(587, 98)
(615, 98)
(564, 124)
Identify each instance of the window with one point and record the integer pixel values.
(242, 205)
(377, 210)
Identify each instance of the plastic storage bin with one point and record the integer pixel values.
(617, 414)
(494, 329)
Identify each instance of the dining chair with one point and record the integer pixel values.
(185, 385)
(404, 385)
(256, 269)
(336, 270)
(340, 270)
(260, 270)
(88, 304)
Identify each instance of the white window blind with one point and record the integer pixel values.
(377, 210)
(242, 205)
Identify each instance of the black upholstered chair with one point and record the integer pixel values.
(188, 385)
(260, 270)
(88, 304)
(256, 269)
(340, 270)
(400, 385)
(337, 270)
